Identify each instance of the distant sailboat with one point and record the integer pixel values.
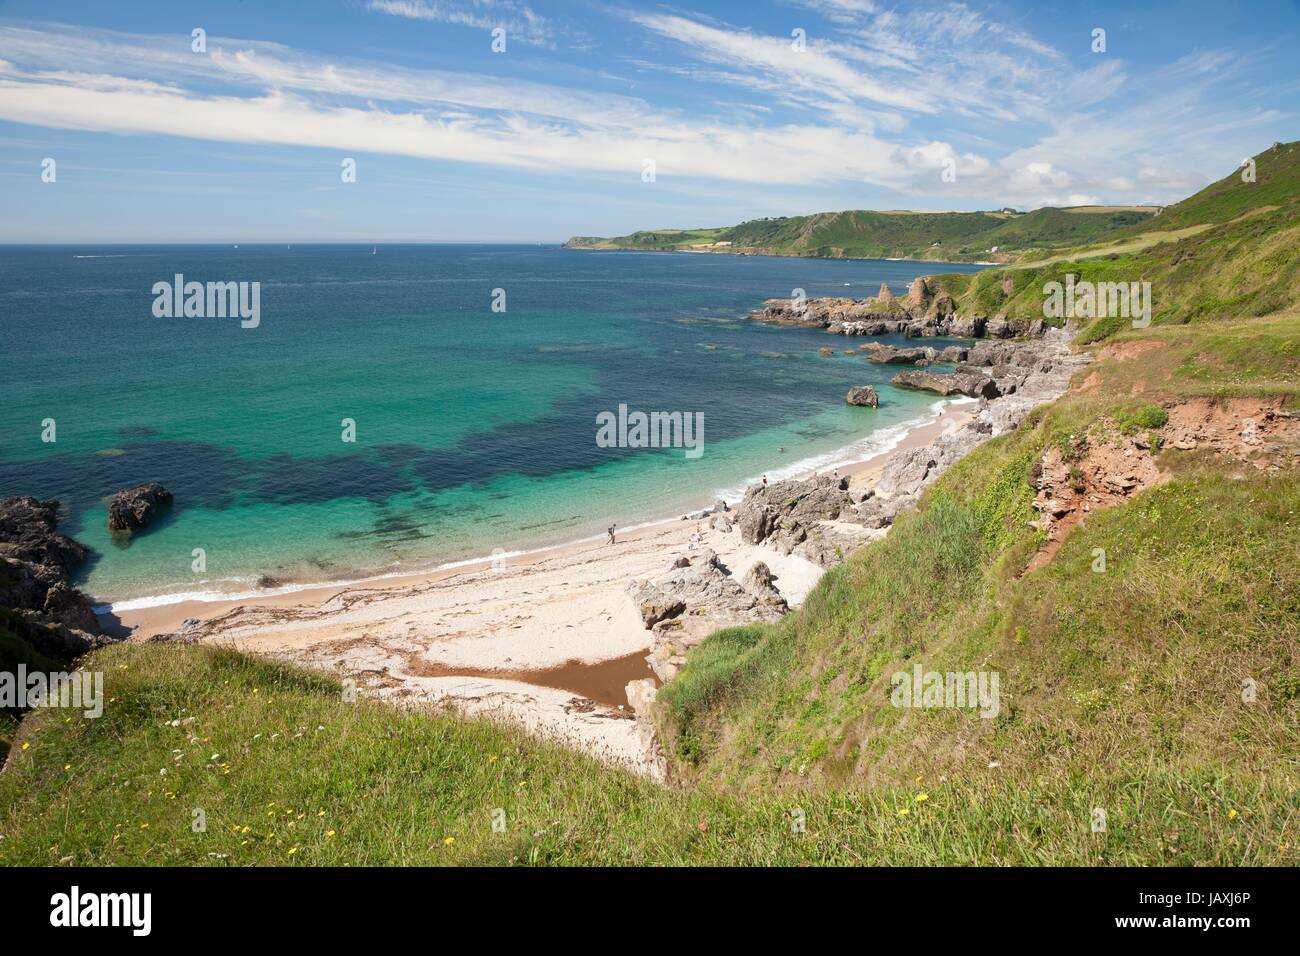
(374, 251)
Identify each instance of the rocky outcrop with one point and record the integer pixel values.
(758, 582)
(864, 396)
(35, 558)
(907, 473)
(28, 533)
(132, 508)
(892, 355)
(687, 603)
(815, 519)
(971, 383)
(924, 312)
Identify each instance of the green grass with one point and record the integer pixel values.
(317, 781)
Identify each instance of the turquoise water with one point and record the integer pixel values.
(475, 430)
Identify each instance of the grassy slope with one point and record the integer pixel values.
(1277, 183)
(1119, 690)
(300, 777)
(864, 234)
(1243, 268)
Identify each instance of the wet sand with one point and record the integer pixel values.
(604, 682)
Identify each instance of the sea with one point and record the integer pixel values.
(397, 408)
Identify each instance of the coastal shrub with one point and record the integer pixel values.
(1136, 418)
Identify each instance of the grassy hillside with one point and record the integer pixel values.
(1120, 689)
(1246, 267)
(953, 236)
(1277, 183)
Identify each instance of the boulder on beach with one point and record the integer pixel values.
(133, 508)
(758, 582)
(863, 395)
(973, 384)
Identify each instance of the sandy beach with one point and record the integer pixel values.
(547, 639)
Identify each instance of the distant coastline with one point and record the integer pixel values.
(781, 255)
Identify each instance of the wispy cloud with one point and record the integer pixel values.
(519, 21)
(889, 98)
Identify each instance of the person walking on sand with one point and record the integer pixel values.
(611, 533)
(765, 481)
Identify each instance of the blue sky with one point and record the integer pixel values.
(455, 142)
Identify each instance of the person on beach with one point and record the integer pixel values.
(765, 481)
(611, 532)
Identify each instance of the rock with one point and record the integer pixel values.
(641, 696)
(824, 352)
(52, 639)
(973, 384)
(889, 355)
(968, 327)
(653, 605)
(918, 293)
(906, 471)
(35, 559)
(786, 505)
(67, 605)
(759, 583)
(27, 533)
(884, 295)
(685, 605)
(720, 506)
(133, 508)
(863, 395)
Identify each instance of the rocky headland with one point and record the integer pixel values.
(926, 311)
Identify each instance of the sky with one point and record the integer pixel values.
(602, 118)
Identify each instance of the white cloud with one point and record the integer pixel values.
(518, 20)
(886, 99)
